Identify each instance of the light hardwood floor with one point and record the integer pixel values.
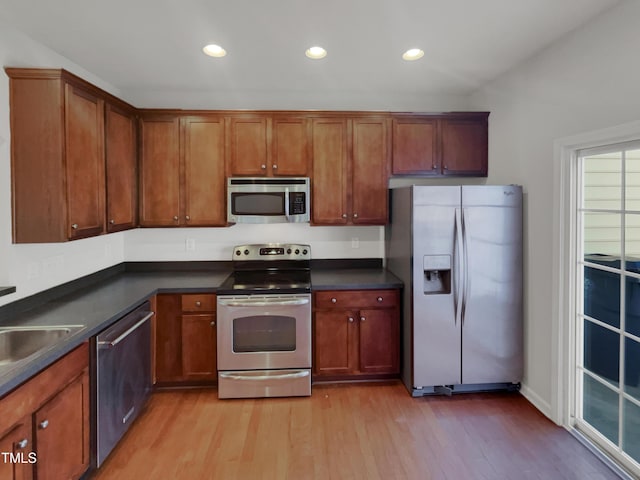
(354, 431)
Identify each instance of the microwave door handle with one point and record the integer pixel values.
(286, 203)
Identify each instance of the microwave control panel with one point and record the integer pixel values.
(297, 203)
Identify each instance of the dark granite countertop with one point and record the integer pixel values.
(102, 303)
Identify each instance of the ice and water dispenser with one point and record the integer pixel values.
(437, 274)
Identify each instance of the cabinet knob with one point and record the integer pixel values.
(198, 303)
(74, 226)
(355, 215)
(43, 424)
(333, 300)
(379, 299)
(22, 444)
(263, 166)
(362, 319)
(112, 221)
(445, 167)
(187, 217)
(274, 166)
(213, 323)
(344, 215)
(350, 319)
(434, 167)
(175, 217)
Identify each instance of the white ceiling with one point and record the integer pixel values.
(152, 48)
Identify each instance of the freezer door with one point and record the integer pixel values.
(492, 297)
(436, 330)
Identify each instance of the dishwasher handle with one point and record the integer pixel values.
(112, 343)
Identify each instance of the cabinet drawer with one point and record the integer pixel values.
(205, 302)
(356, 299)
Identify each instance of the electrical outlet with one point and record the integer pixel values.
(355, 242)
(190, 244)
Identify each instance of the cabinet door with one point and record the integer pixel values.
(168, 341)
(464, 146)
(369, 171)
(204, 171)
(17, 444)
(121, 170)
(334, 342)
(62, 434)
(160, 172)
(199, 347)
(415, 146)
(84, 122)
(290, 147)
(329, 205)
(379, 341)
(248, 146)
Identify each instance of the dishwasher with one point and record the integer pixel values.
(121, 384)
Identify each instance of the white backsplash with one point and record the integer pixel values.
(189, 244)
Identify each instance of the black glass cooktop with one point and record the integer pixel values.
(266, 282)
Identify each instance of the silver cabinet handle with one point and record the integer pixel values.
(350, 319)
(187, 217)
(74, 226)
(43, 424)
(274, 166)
(446, 168)
(379, 299)
(355, 215)
(175, 217)
(263, 166)
(113, 343)
(362, 319)
(344, 215)
(213, 323)
(112, 221)
(333, 300)
(434, 167)
(22, 444)
(198, 303)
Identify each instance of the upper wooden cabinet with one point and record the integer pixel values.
(65, 135)
(350, 170)
(445, 144)
(121, 167)
(58, 162)
(182, 170)
(268, 145)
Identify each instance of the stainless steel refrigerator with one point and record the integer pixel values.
(458, 250)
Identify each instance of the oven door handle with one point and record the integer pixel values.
(253, 376)
(261, 302)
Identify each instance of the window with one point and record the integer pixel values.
(607, 329)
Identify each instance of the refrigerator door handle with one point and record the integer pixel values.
(465, 269)
(459, 266)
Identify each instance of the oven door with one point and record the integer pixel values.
(264, 332)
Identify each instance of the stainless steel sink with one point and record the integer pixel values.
(18, 343)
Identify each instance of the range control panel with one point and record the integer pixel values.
(272, 251)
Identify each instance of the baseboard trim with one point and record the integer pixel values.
(536, 401)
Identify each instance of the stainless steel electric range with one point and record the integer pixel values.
(264, 323)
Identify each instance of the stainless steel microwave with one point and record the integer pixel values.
(267, 200)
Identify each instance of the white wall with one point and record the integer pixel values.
(32, 268)
(588, 80)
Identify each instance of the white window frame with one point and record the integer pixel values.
(565, 291)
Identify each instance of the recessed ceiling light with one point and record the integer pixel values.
(214, 50)
(413, 54)
(316, 52)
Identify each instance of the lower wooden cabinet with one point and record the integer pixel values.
(44, 423)
(356, 334)
(16, 448)
(185, 338)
